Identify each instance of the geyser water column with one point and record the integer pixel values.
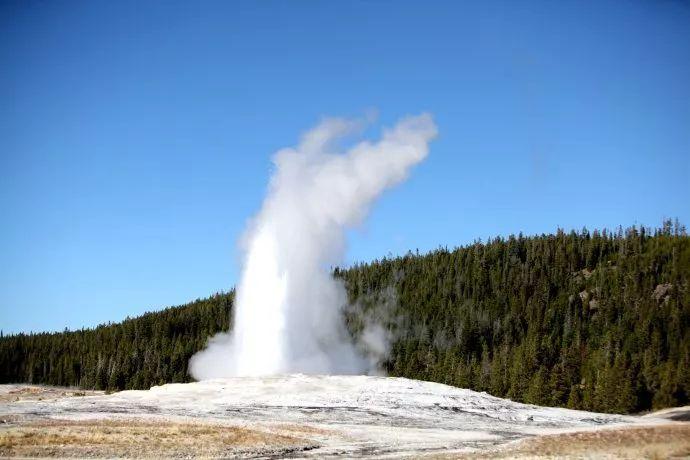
(287, 312)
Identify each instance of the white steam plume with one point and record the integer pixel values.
(288, 306)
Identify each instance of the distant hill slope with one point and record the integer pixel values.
(597, 321)
(137, 353)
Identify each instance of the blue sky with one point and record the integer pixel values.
(135, 137)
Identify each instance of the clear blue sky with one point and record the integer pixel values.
(135, 137)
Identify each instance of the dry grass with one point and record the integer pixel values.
(305, 429)
(29, 436)
(651, 442)
(136, 438)
(39, 393)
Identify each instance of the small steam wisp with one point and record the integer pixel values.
(288, 306)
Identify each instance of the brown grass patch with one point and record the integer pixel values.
(305, 429)
(652, 442)
(136, 438)
(39, 393)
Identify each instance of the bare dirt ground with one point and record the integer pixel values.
(317, 417)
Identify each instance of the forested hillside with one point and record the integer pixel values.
(137, 353)
(597, 321)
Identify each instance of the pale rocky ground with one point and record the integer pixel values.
(300, 416)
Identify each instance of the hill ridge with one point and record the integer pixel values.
(597, 321)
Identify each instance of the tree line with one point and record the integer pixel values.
(137, 353)
(588, 320)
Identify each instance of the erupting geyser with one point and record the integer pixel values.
(288, 306)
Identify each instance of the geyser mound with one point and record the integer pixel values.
(287, 315)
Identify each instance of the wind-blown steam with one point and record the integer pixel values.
(288, 306)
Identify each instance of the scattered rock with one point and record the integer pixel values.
(661, 291)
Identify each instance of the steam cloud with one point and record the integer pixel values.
(288, 306)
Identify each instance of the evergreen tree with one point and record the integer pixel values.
(597, 321)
